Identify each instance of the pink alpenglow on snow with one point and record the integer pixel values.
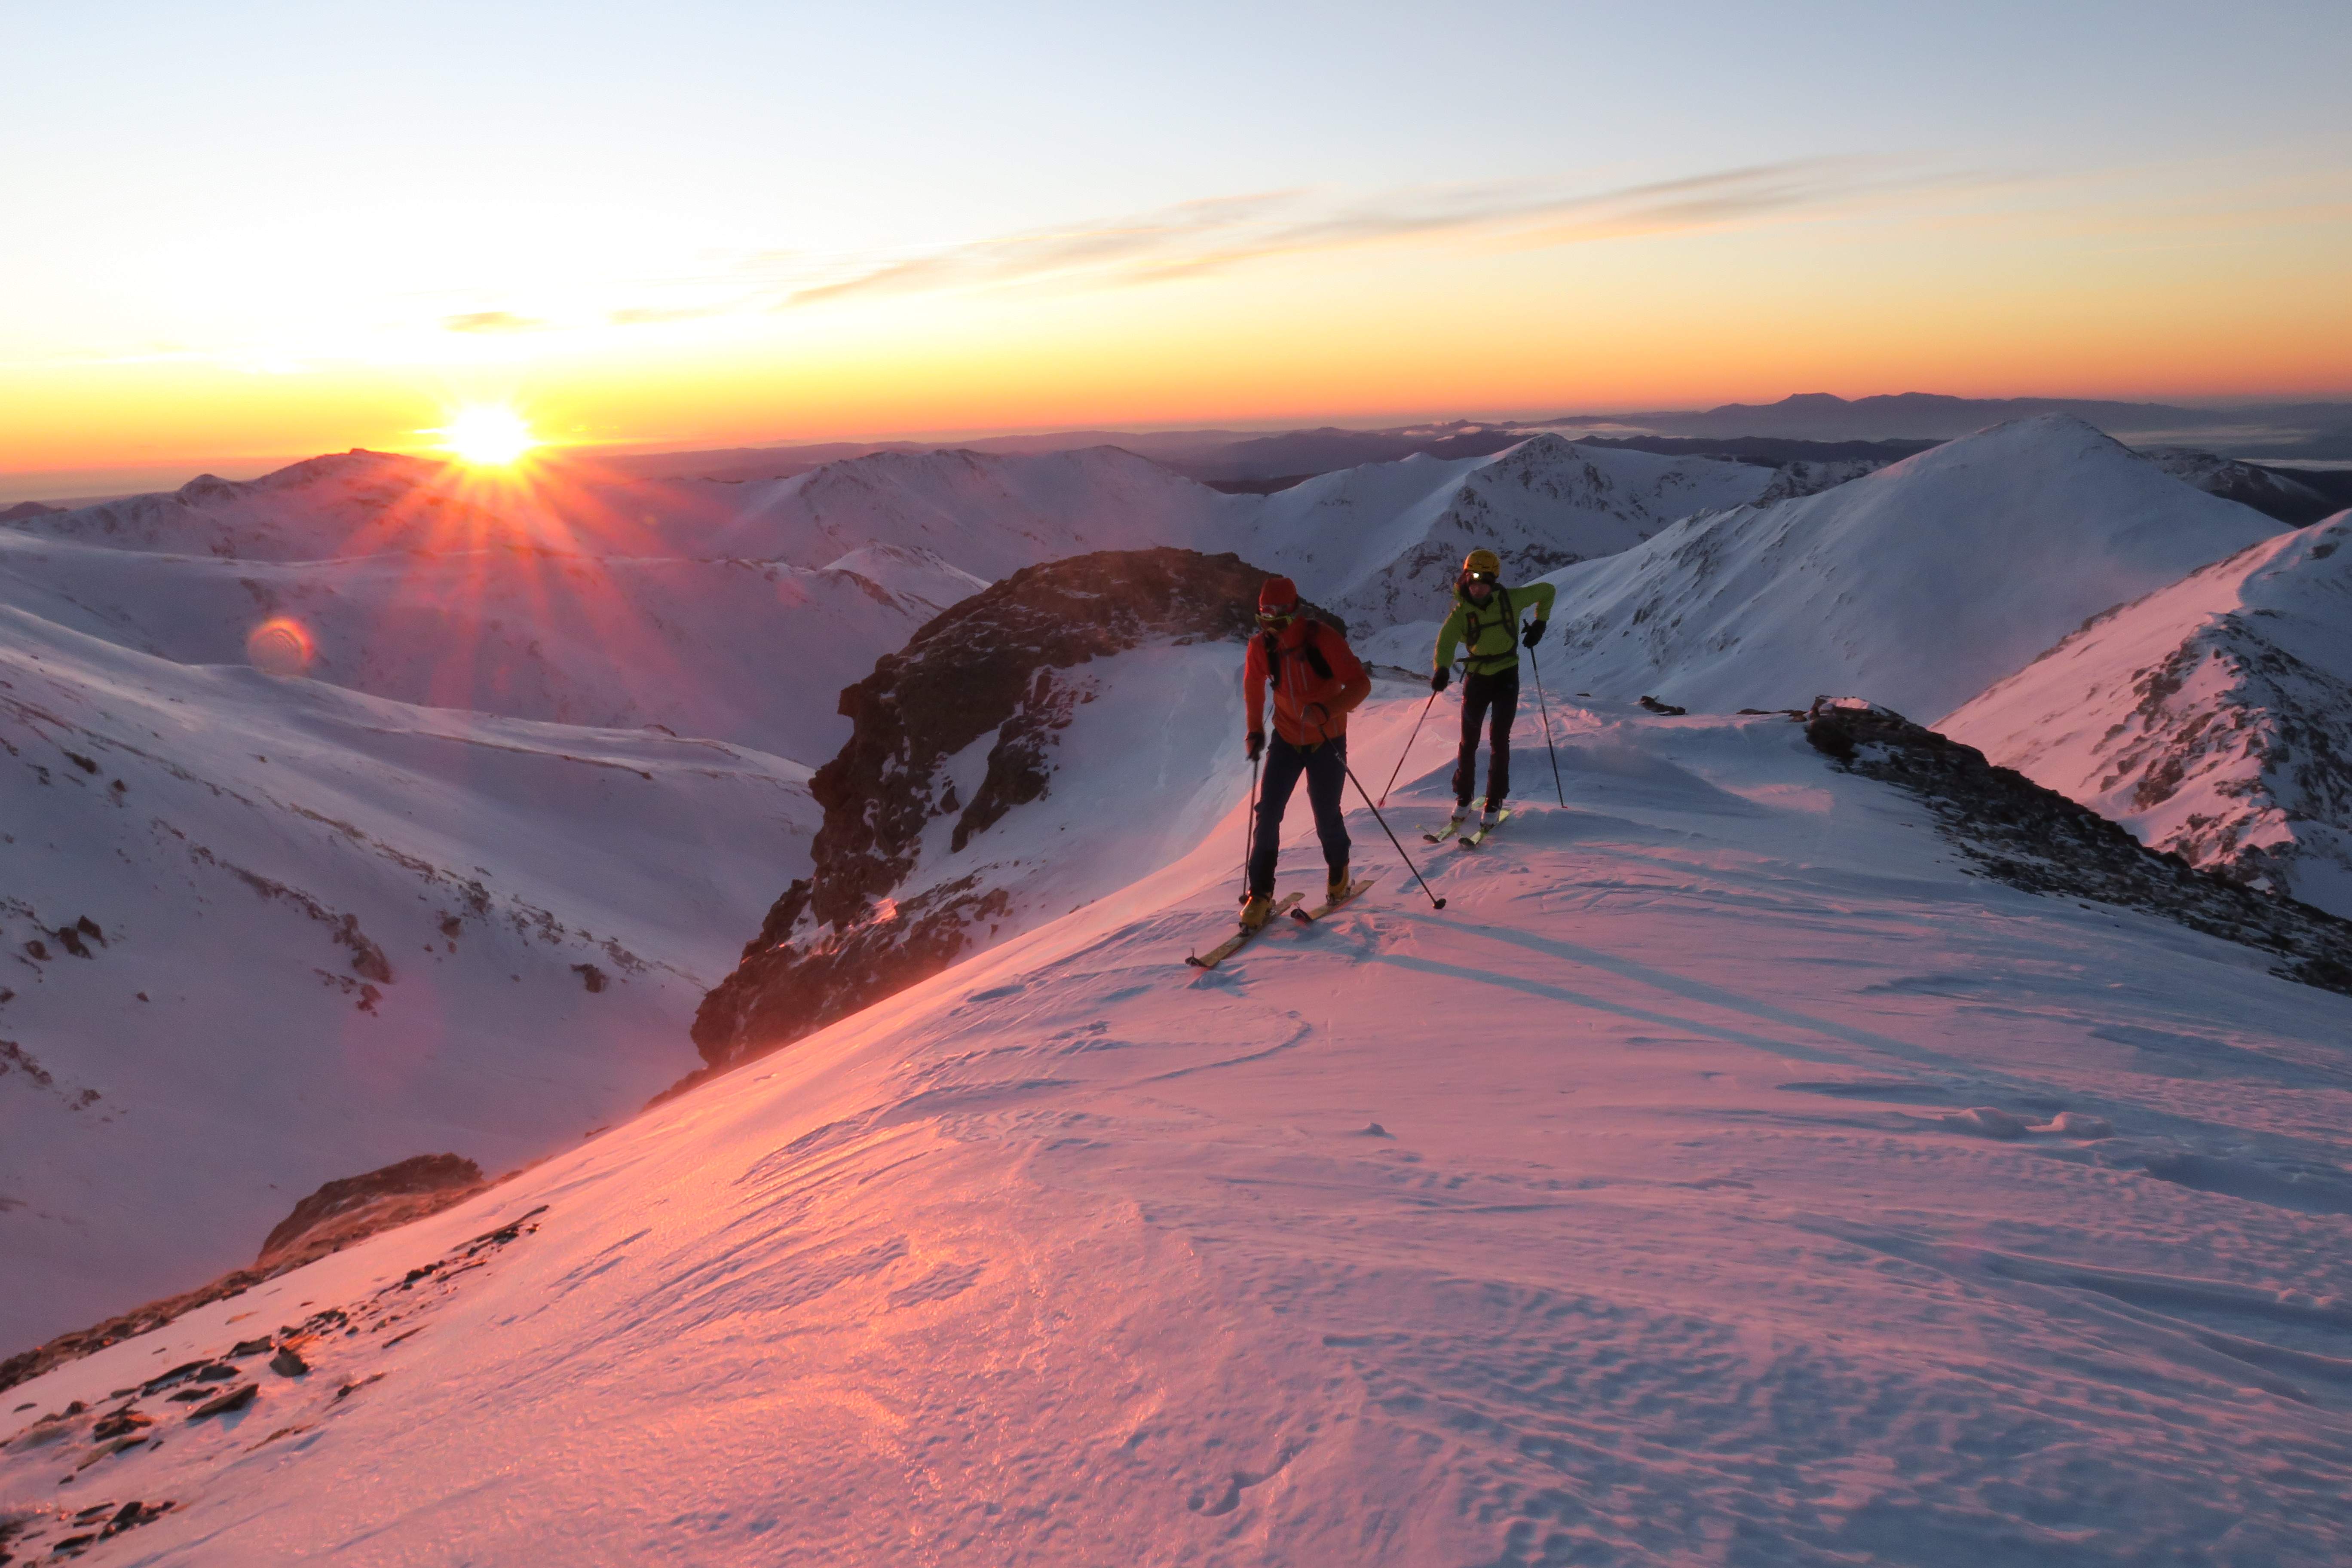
(1729, 1161)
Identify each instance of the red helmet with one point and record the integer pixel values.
(1280, 594)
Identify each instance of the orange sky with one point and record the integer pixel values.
(246, 265)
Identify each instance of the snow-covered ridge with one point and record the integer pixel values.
(1725, 1164)
(2212, 717)
(1383, 544)
(1918, 586)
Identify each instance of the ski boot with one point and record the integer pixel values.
(1335, 882)
(1492, 815)
(1256, 909)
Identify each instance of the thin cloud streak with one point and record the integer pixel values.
(492, 321)
(1213, 235)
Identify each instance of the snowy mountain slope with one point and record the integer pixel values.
(2212, 717)
(1382, 543)
(325, 932)
(1917, 586)
(1720, 1177)
(985, 514)
(748, 652)
(361, 503)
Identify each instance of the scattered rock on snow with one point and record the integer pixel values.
(289, 1363)
(235, 1399)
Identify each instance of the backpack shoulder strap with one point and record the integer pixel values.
(1316, 661)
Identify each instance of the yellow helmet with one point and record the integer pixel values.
(1484, 561)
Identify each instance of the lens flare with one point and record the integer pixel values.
(281, 646)
(487, 436)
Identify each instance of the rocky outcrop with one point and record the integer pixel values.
(998, 664)
(350, 1207)
(2014, 831)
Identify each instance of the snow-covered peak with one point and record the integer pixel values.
(1381, 543)
(2212, 717)
(1918, 586)
(987, 514)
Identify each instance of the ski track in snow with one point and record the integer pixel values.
(1648, 1204)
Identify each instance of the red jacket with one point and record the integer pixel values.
(1310, 704)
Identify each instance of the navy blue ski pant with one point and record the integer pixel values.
(1326, 767)
(1483, 695)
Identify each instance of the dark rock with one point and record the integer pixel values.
(86, 764)
(249, 1347)
(447, 1176)
(90, 928)
(133, 1514)
(1655, 705)
(235, 1399)
(37, 949)
(2014, 831)
(590, 975)
(288, 1363)
(838, 940)
(122, 1423)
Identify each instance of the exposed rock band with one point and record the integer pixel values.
(1318, 682)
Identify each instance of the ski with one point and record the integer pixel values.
(1472, 840)
(1233, 943)
(1453, 825)
(1309, 917)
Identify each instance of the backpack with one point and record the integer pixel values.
(1474, 626)
(1306, 648)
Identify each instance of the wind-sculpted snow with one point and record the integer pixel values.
(2213, 716)
(257, 933)
(1052, 738)
(1917, 586)
(1730, 1174)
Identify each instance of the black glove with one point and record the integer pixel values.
(1437, 680)
(1256, 743)
(1534, 634)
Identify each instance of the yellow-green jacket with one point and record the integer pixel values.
(1490, 632)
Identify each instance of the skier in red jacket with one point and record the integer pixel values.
(1318, 682)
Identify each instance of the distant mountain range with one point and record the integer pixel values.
(2305, 430)
(1814, 427)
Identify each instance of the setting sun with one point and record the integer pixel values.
(489, 436)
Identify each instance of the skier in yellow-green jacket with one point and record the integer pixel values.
(1485, 623)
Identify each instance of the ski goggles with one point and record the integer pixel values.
(1278, 617)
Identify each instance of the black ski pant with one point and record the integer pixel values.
(1326, 767)
(1483, 696)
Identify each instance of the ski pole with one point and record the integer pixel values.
(1434, 900)
(1546, 709)
(1249, 828)
(1409, 740)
